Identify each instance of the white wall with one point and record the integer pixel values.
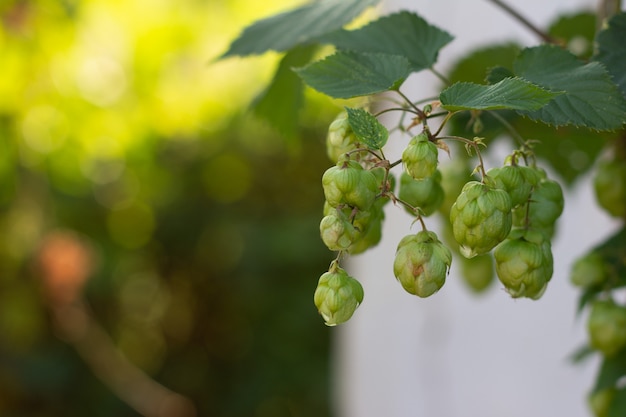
(456, 354)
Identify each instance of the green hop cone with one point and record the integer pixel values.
(348, 183)
(364, 230)
(524, 263)
(337, 232)
(546, 205)
(589, 270)
(477, 272)
(371, 228)
(607, 327)
(340, 139)
(427, 194)
(422, 263)
(337, 295)
(600, 401)
(481, 218)
(516, 180)
(420, 157)
(610, 186)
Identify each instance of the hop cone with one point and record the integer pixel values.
(421, 263)
(607, 327)
(516, 180)
(337, 295)
(426, 194)
(524, 263)
(420, 157)
(481, 218)
(348, 183)
(340, 138)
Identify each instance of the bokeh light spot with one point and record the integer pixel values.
(44, 128)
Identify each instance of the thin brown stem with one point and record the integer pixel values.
(524, 21)
(606, 9)
(419, 112)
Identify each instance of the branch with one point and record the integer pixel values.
(525, 22)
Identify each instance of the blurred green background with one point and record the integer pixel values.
(115, 124)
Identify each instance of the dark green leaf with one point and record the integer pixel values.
(581, 354)
(611, 370)
(570, 151)
(612, 50)
(618, 404)
(474, 66)
(510, 93)
(283, 31)
(280, 103)
(576, 32)
(613, 252)
(367, 128)
(591, 99)
(351, 74)
(403, 33)
(497, 74)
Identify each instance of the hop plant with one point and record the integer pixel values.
(340, 138)
(481, 218)
(337, 295)
(477, 272)
(600, 401)
(518, 181)
(524, 263)
(422, 263)
(420, 157)
(588, 270)
(545, 206)
(348, 183)
(337, 232)
(427, 194)
(610, 186)
(607, 327)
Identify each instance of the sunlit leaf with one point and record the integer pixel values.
(612, 49)
(283, 31)
(510, 93)
(352, 74)
(367, 128)
(404, 33)
(590, 98)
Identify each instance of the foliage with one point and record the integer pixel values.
(555, 100)
(117, 142)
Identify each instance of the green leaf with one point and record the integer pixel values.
(611, 370)
(570, 151)
(367, 128)
(280, 103)
(590, 98)
(618, 404)
(612, 49)
(473, 67)
(352, 74)
(403, 33)
(510, 93)
(285, 30)
(497, 74)
(576, 32)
